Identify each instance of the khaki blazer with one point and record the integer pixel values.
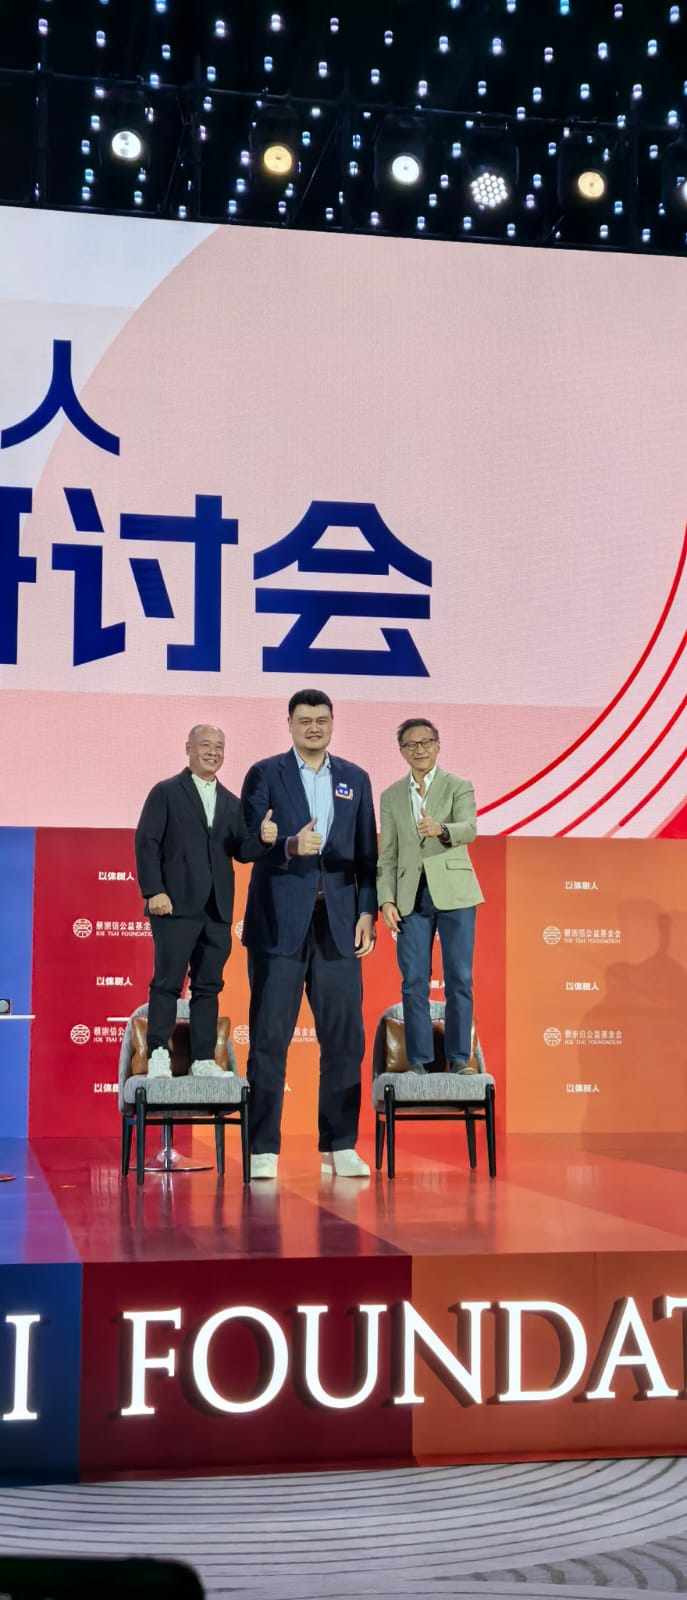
(402, 853)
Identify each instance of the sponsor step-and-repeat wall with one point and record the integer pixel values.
(581, 983)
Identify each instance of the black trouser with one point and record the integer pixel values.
(198, 945)
(333, 985)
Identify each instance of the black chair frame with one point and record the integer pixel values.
(139, 1117)
(467, 1111)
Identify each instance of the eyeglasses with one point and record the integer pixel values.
(414, 745)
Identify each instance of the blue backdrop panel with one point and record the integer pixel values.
(47, 1448)
(16, 939)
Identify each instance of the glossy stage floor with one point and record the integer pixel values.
(194, 1325)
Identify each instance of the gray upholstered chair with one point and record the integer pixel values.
(181, 1098)
(401, 1094)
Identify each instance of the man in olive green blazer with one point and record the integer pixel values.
(426, 884)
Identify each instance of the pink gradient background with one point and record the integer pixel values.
(516, 416)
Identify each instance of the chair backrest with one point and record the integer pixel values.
(133, 1055)
(389, 1049)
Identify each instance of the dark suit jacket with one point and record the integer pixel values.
(281, 897)
(177, 854)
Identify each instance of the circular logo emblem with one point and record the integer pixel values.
(552, 1036)
(80, 1034)
(241, 1034)
(82, 928)
(551, 934)
(238, 929)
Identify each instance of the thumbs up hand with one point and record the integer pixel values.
(306, 842)
(268, 828)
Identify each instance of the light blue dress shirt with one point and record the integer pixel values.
(318, 793)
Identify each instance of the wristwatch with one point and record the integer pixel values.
(445, 836)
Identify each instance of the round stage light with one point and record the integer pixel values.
(127, 145)
(278, 160)
(682, 191)
(405, 169)
(489, 190)
(591, 184)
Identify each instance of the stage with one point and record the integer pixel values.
(197, 1326)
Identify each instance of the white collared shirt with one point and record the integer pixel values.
(418, 798)
(207, 789)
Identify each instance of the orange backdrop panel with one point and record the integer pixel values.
(445, 1426)
(596, 940)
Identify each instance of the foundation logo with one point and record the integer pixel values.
(238, 929)
(82, 928)
(241, 1034)
(552, 1036)
(551, 934)
(80, 1034)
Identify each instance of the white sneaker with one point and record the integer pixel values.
(345, 1164)
(209, 1069)
(159, 1064)
(264, 1166)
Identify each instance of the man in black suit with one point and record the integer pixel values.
(189, 830)
(309, 919)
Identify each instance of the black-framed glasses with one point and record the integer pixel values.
(418, 744)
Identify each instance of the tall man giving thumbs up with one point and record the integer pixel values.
(309, 919)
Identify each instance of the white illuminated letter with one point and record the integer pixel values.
(312, 1316)
(630, 1321)
(546, 1308)
(669, 1303)
(142, 1363)
(280, 1359)
(23, 1323)
(468, 1378)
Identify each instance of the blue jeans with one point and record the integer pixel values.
(456, 931)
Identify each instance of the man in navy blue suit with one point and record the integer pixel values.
(309, 920)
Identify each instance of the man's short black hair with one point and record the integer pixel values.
(310, 697)
(415, 722)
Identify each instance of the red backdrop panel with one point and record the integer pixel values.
(92, 959)
(184, 1434)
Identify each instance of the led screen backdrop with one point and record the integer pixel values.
(435, 476)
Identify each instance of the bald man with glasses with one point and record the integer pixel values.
(426, 884)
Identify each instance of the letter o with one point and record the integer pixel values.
(280, 1359)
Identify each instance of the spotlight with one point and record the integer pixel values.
(124, 132)
(491, 169)
(583, 177)
(274, 147)
(674, 177)
(278, 159)
(401, 154)
(406, 169)
(126, 144)
(489, 190)
(591, 184)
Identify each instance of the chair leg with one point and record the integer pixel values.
(127, 1132)
(219, 1145)
(245, 1148)
(489, 1109)
(390, 1110)
(140, 1135)
(379, 1141)
(472, 1142)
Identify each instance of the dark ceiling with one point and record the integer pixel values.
(552, 79)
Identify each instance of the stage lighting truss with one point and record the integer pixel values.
(674, 178)
(584, 164)
(491, 162)
(400, 155)
(274, 146)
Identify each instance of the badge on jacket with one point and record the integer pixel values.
(343, 792)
